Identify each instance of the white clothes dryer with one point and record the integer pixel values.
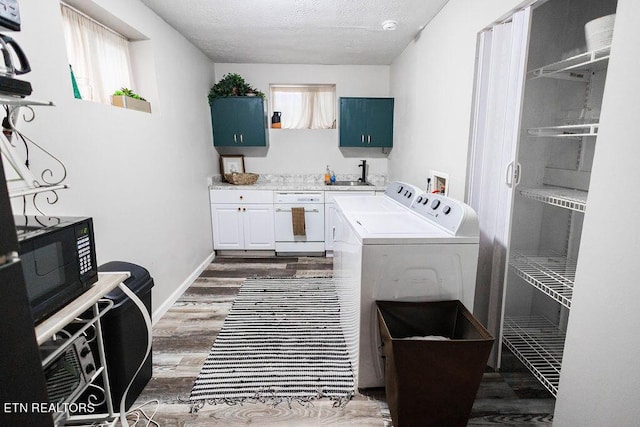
(426, 250)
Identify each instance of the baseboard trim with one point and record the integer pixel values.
(160, 311)
(245, 253)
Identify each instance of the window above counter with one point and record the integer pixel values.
(303, 106)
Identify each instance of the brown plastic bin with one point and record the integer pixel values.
(431, 382)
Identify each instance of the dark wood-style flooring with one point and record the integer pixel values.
(185, 334)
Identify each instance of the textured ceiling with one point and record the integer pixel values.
(298, 31)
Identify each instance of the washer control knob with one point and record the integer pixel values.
(410, 194)
(420, 199)
(400, 189)
(446, 210)
(435, 204)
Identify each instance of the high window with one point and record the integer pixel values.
(98, 55)
(305, 106)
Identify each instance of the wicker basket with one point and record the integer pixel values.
(241, 178)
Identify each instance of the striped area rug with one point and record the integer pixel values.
(281, 342)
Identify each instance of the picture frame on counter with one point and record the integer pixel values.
(231, 163)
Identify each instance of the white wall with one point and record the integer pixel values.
(432, 82)
(303, 151)
(600, 380)
(142, 177)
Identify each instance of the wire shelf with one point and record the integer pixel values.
(539, 345)
(575, 200)
(574, 68)
(27, 191)
(17, 101)
(551, 274)
(565, 131)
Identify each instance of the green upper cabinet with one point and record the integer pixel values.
(239, 121)
(366, 122)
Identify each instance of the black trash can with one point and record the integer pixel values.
(125, 333)
(435, 354)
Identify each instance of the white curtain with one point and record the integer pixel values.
(305, 107)
(99, 56)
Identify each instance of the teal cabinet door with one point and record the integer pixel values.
(223, 122)
(239, 122)
(366, 122)
(380, 122)
(352, 122)
(252, 122)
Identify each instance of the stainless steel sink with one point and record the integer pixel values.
(349, 183)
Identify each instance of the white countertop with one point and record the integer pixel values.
(296, 186)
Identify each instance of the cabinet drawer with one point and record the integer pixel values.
(241, 196)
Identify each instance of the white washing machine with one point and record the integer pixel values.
(397, 197)
(392, 247)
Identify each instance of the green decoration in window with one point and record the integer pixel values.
(74, 83)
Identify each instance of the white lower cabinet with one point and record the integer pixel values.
(228, 228)
(240, 224)
(329, 226)
(258, 222)
(245, 219)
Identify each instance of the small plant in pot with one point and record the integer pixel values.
(232, 84)
(126, 98)
(128, 92)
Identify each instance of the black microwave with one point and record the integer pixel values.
(58, 260)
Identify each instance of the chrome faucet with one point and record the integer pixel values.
(363, 165)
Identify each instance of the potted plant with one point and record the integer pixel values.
(232, 84)
(126, 98)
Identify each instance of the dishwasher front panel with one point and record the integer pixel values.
(313, 218)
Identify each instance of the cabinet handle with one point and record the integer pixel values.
(369, 139)
(241, 140)
(305, 211)
(334, 233)
(514, 171)
(509, 175)
(235, 138)
(238, 209)
(244, 209)
(362, 139)
(241, 197)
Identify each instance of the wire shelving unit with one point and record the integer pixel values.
(551, 274)
(575, 200)
(539, 345)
